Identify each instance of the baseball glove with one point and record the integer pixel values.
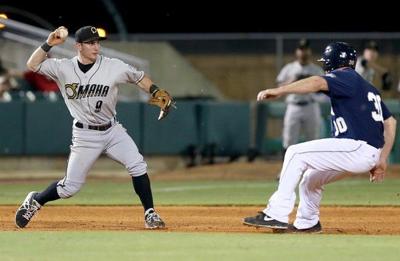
(162, 99)
(387, 81)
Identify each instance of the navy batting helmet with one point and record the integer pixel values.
(338, 54)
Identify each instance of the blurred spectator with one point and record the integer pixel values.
(36, 85)
(367, 66)
(4, 94)
(6, 83)
(40, 82)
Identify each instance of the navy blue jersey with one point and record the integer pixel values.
(357, 110)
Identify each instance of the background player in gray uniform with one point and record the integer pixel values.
(368, 67)
(89, 85)
(302, 111)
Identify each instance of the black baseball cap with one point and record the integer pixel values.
(87, 34)
(372, 45)
(303, 44)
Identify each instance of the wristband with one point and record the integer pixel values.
(153, 89)
(46, 47)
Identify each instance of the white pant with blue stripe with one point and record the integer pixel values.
(316, 163)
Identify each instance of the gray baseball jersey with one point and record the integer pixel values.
(91, 97)
(295, 71)
(366, 72)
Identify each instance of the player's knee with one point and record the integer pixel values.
(291, 150)
(137, 169)
(309, 182)
(68, 189)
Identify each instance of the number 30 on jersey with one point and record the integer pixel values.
(376, 99)
(340, 124)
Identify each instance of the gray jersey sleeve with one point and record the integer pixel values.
(127, 73)
(284, 75)
(295, 71)
(50, 67)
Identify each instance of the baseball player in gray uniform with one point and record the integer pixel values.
(302, 111)
(89, 85)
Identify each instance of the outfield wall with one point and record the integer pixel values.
(43, 127)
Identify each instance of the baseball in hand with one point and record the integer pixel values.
(63, 33)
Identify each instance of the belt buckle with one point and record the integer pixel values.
(103, 127)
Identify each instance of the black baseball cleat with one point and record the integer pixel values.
(263, 220)
(152, 220)
(27, 210)
(316, 229)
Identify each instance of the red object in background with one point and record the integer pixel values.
(41, 82)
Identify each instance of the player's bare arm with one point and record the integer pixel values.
(389, 136)
(56, 37)
(145, 84)
(308, 85)
(378, 172)
(37, 57)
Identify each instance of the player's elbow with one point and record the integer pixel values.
(31, 66)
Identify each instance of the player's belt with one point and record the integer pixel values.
(94, 127)
(303, 103)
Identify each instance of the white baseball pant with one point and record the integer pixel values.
(322, 161)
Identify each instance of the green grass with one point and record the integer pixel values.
(98, 245)
(106, 192)
(193, 246)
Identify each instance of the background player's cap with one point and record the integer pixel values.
(372, 45)
(87, 34)
(303, 44)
